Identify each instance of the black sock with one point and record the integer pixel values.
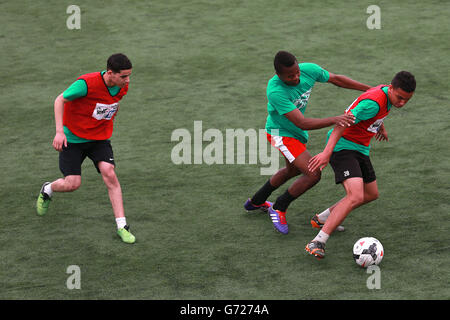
(283, 201)
(262, 194)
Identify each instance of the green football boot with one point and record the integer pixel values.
(43, 201)
(126, 235)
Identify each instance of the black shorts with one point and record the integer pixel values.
(350, 164)
(72, 156)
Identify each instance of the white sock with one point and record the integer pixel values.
(121, 222)
(324, 215)
(48, 190)
(322, 237)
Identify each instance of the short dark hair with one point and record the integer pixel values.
(405, 81)
(283, 59)
(118, 62)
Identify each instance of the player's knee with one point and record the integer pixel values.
(291, 172)
(371, 196)
(356, 199)
(75, 185)
(109, 177)
(315, 176)
(72, 183)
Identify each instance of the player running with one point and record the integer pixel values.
(84, 115)
(347, 150)
(288, 93)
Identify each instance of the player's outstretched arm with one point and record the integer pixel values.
(297, 118)
(320, 161)
(346, 82)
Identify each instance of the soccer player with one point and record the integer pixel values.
(84, 115)
(347, 150)
(286, 126)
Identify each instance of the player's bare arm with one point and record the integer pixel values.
(320, 161)
(297, 118)
(346, 82)
(60, 138)
(382, 134)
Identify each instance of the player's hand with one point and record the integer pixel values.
(319, 161)
(382, 134)
(59, 141)
(345, 120)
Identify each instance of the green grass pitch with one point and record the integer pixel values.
(210, 61)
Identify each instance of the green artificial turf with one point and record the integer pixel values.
(210, 61)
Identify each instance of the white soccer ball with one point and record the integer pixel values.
(368, 251)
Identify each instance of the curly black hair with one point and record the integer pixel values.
(283, 59)
(405, 81)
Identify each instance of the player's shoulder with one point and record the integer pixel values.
(313, 71)
(89, 75)
(309, 66)
(275, 84)
(375, 93)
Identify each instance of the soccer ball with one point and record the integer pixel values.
(368, 251)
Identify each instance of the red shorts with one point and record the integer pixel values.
(291, 148)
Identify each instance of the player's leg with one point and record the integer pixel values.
(70, 160)
(318, 220)
(114, 189)
(354, 198)
(259, 199)
(67, 184)
(303, 183)
(347, 169)
(102, 156)
(115, 196)
(370, 194)
(354, 188)
(284, 174)
(307, 180)
(341, 164)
